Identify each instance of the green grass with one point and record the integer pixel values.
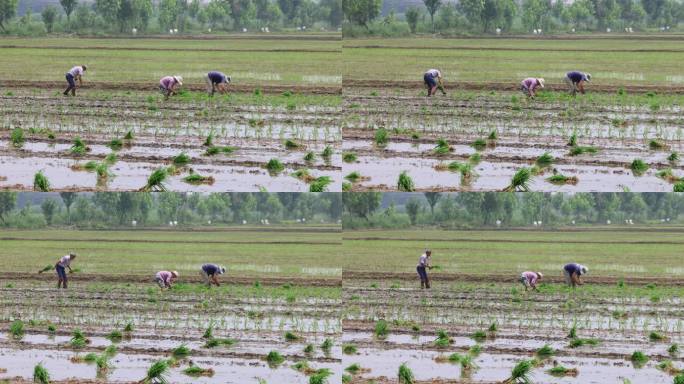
(639, 359)
(40, 374)
(479, 144)
(638, 167)
(405, 182)
(545, 352)
(115, 144)
(41, 182)
(327, 345)
(327, 152)
(349, 349)
(521, 373)
(310, 157)
(215, 150)
(544, 161)
(520, 181)
(656, 336)
(291, 336)
(405, 374)
(114, 336)
(79, 147)
(155, 182)
(274, 358)
(180, 352)
(381, 137)
(657, 145)
(181, 160)
(274, 166)
(17, 137)
(196, 371)
(560, 179)
(580, 150)
(17, 329)
(381, 329)
(320, 184)
(442, 147)
(349, 157)
(196, 179)
(157, 373)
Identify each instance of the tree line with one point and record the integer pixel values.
(511, 16)
(106, 209)
(496, 209)
(162, 16)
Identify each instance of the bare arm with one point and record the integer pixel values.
(80, 80)
(213, 277)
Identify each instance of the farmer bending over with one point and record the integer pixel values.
(433, 81)
(575, 81)
(62, 263)
(530, 279)
(168, 85)
(76, 73)
(529, 86)
(572, 273)
(165, 278)
(217, 80)
(423, 263)
(210, 273)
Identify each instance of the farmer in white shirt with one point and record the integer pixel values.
(423, 265)
(61, 265)
(74, 74)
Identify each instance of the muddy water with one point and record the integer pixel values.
(133, 175)
(498, 367)
(383, 173)
(133, 367)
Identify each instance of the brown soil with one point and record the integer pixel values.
(512, 86)
(505, 278)
(152, 86)
(174, 241)
(84, 277)
(176, 49)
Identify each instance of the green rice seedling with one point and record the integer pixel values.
(274, 358)
(41, 182)
(355, 369)
(290, 336)
(578, 342)
(215, 342)
(559, 179)
(303, 367)
(479, 144)
(195, 371)
(405, 374)
(79, 148)
(115, 144)
(657, 145)
(129, 327)
(561, 371)
(320, 184)
(309, 349)
(479, 336)
(114, 336)
(656, 336)
(103, 364)
(291, 144)
(215, 150)
(348, 157)
(639, 359)
(545, 352)
(90, 357)
(129, 135)
(349, 349)
(197, 179)
(544, 161)
(475, 158)
(304, 175)
(442, 147)
(673, 158)
(209, 141)
(52, 328)
(405, 183)
(157, 373)
(346, 187)
(678, 187)
(346, 379)
(578, 150)
(274, 166)
(673, 350)
(520, 181)
(17, 137)
(354, 177)
(327, 345)
(667, 175)
(310, 157)
(381, 137)
(46, 268)
(668, 367)
(90, 166)
(521, 373)
(102, 171)
(17, 329)
(180, 352)
(443, 340)
(155, 182)
(573, 332)
(493, 135)
(381, 329)
(467, 364)
(572, 142)
(111, 351)
(638, 167)
(110, 159)
(493, 328)
(475, 350)
(327, 152)
(181, 160)
(40, 374)
(679, 379)
(320, 377)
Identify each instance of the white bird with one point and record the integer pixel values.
(175, 30)
(540, 223)
(209, 222)
(244, 222)
(134, 223)
(175, 222)
(608, 30)
(573, 222)
(608, 222)
(209, 30)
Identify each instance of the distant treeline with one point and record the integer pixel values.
(106, 209)
(471, 210)
(103, 17)
(363, 17)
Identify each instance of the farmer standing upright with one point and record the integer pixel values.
(433, 81)
(210, 272)
(168, 85)
(529, 86)
(422, 267)
(216, 80)
(60, 267)
(165, 278)
(75, 73)
(573, 272)
(530, 279)
(575, 81)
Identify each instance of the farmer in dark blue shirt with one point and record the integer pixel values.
(572, 273)
(210, 272)
(575, 81)
(216, 80)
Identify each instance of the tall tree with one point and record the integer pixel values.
(361, 12)
(412, 209)
(68, 199)
(68, 6)
(8, 201)
(49, 208)
(432, 7)
(49, 15)
(362, 204)
(411, 15)
(432, 199)
(8, 9)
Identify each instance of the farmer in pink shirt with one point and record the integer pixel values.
(169, 84)
(74, 74)
(165, 278)
(529, 86)
(530, 279)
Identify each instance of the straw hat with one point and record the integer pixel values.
(540, 275)
(541, 82)
(174, 273)
(179, 79)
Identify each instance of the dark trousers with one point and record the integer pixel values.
(72, 84)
